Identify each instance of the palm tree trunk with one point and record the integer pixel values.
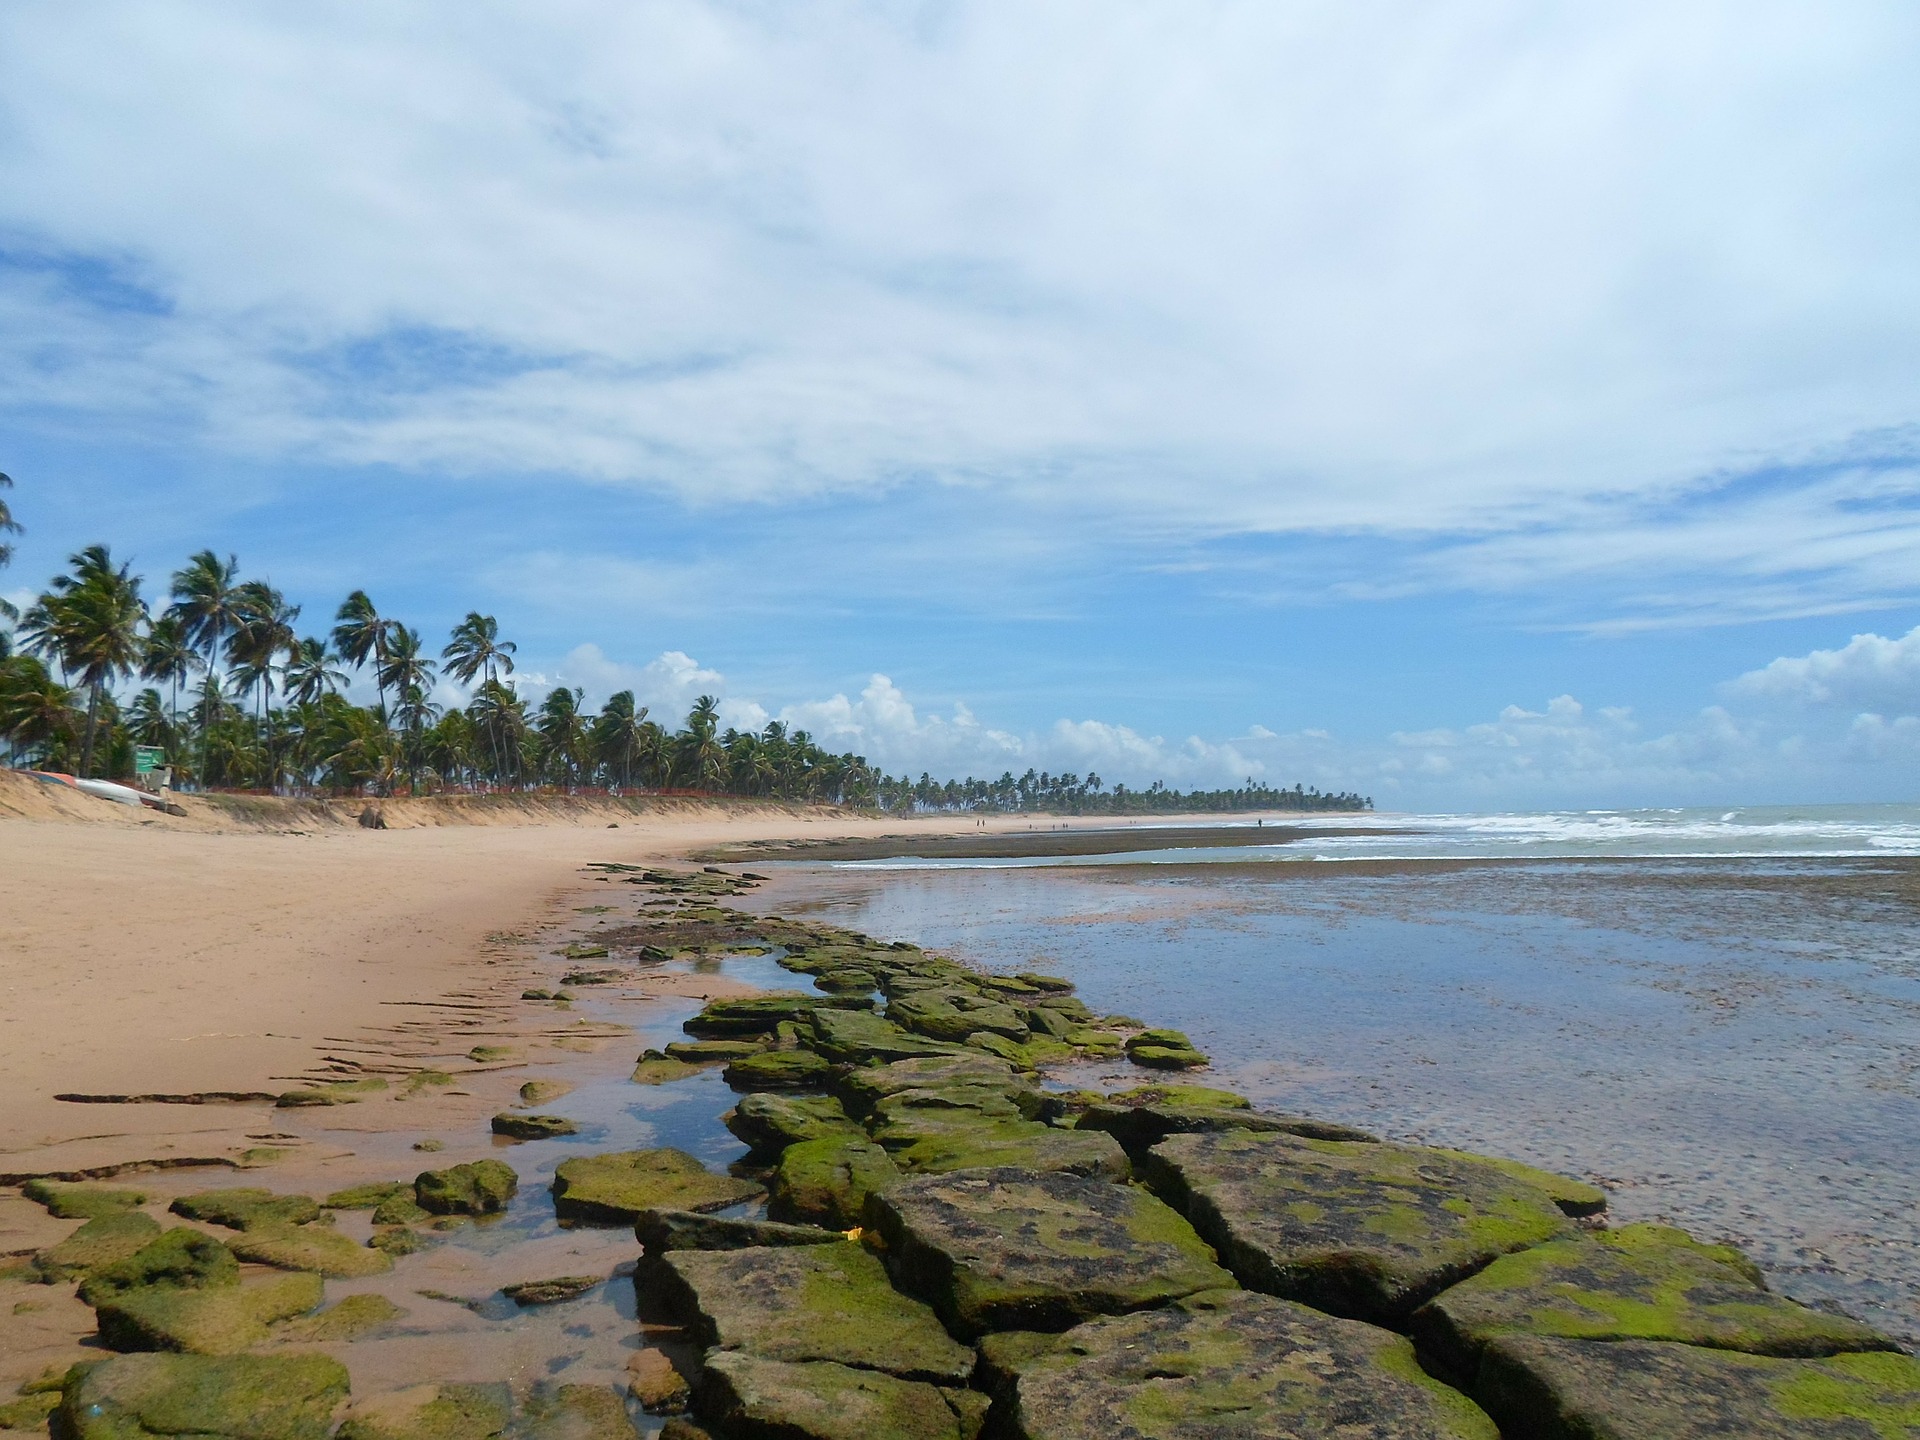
(93, 717)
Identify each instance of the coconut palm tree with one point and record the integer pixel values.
(262, 633)
(618, 738)
(501, 715)
(311, 672)
(360, 637)
(169, 656)
(476, 648)
(8, 526)
(204, 603)
(702, 758)
(563, 732)
(36, 710)
(92, 622)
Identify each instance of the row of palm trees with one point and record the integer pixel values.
(267, 707)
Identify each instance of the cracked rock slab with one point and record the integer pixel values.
(1234, 1365)
(1366, 1231)
(1008, 1249)
(745, 1397)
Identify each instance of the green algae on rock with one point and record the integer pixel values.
(113, 1236)
(614, 1189)
(573, 1412)
(480, 1187)
(239, 1397)
(758, 1014)
(310, 1247)
(806, 1302)
(1139, 1127)
(550, 1291)
(937, 1150)
(1233, 1363)
(780, 1070)
(954, 1014)
(367, 1196)
(1640, 1282)
(1574, 1197)
(861, 1089)
(661, 1230)
(214, 1320)
(827, 1181)
(181, 1257)
(80, 1202)
(349, 1318)
(1550, 1389)
(1366, 1231)
(1008, 1249)
(861, 1037)
(744, 1395)
(539, 1092)
(655, 1068)
(400, 1209)
(532, 1127)
(706, 1052)
(431, 1412)
(768, 1122)
(243, 1207)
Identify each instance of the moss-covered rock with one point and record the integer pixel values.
(904, 1111)
(367, 1196)
(1139, 1127)
(397, 1240)
(806, 1302)
(552, 1291)
(1029, 1054)
(1024, 1250)
(1548, 1389)
(847, 981)
(938, 1149)
(827, 1181)
(516, 1126)
(1640, 1282)
(860, 1090)
(574, 1412)
(770, 1123)
(81, 1202)
(656, 1068)
(310, 1247)
(859, 1037)
(1231, 1363)
(780, 1070)
(113, 1236)
(400, 1209)
(1574, 1197)
(240, 1397)
(214, 1320)
(663, 1230)
(181, 1257)
(953, 1014)
(431, 1412)
(746, 1397)
(243, 1207)
(1159, 1054)
(539, 1092)
(1370, 1232)
(614, 1189)
(480, 1187)
(710, 1052)
(758, 1014)
(29, 1412)
(349, 1318)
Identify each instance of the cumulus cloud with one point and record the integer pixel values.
(1868, 671)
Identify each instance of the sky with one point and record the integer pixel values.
(1482, 406)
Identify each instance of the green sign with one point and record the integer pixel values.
(148, 758)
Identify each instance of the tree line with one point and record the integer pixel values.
(234, 696)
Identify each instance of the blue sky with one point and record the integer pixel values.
(1482, 406)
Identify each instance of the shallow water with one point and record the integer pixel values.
(1731, 1046)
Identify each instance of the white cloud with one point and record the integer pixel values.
(1477, 268)
(1869, 670)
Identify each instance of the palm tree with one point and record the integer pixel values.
(617, 736)
(8, 526)
(502, 714)
(204, 603)
(169, 656)
(310, 672)
(476, 647)
(262, 632)
(36, 711)
(701, 754)
(562, 731)
(360, 637)
(91, 621)
(409, 674)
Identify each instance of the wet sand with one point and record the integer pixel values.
(1066, 838)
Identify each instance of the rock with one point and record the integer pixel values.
(780, 1070)
(536, 994)
(1548, 1389)
(539, 1092)
(481, 1187)
(1640, 1282)
(859, 1037)
(310, 1247)
(431, 1412)
(659, 1388)
(1230, 1363)
(663, 1230)
(955, 1014)
(1053, 983)
(758, 1014)
(215, 1320)
(366, 1197)
(1022, 1055)
(807, 1302)
(397, 1240)
(550, 1292)
(108, 1238)
(588, 950)
(827, 1182)
(532, 1127)
(680, 1428)
(846, 981)
(905, 1110)
(244, 1207)
(399, 1210)
(1022, 1250)
(658, 1069)
(749, 1398)
(1370, 1232)
(862, 1089)
(346, 1319)
(1045, 1020)
(80, 1202)
(1139, 1128)
(1574, 1197)
(704, 1052)
(1017, 1144)
(574, 1412)
(773, 1122)
(180, 1257)
(29, 1412)
(614, 1189)
(240, 1397)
